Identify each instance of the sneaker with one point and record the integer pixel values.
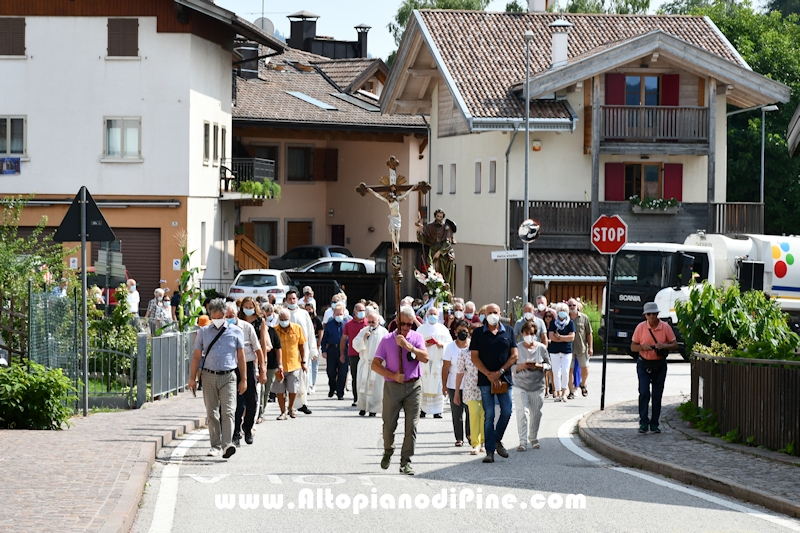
(437, 416)
(489, 458)
(248, 438)
(422, 414)
(642, 428)
(330, 394)
(362, 413)
(229, 451)
(237, 441)
(311, 389)
(501, 450)
(654, 429)
(214, 452)
(386, 460)
(406, 469)
(475, 450)
(354, 404)
(373, 414)
(305, 410)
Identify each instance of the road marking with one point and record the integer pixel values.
(273, 479)
(164, 511)
(201, 479)
(366, 480)
(566, 436)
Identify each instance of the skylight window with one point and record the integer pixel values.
(313, 101)
(356, 102)
(371, 96)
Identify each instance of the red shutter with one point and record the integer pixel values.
(615, 182)
(673, 181)
(670, 89)
(615, 89)
(319, 164)
(332, 165)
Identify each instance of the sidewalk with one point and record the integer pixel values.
(89, 477)
(695, 458)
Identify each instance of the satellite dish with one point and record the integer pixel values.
(266, 25)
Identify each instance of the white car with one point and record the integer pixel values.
(338, 264)
(261, 282)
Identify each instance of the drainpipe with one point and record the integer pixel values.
(508, 234)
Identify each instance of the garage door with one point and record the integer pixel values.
(141, 255)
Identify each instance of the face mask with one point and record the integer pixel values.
(159, 298)
(459, 314)
(339, 318)
(432, 319)
(284, 323)
(562, 315)
(528, 316)
(292, 306)
(529, 339)
(361, 315)
(249, 312)
(493, 319)
(541, 307)
(218, 322)
(231, 320)
(133, 288)
(469, 316)
(462, 335)
(481, 317)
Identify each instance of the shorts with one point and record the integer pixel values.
(582, 359)
(290, 383)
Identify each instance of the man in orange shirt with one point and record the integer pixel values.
(653, 340)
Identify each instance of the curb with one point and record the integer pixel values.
(719, 485)
(124, 512)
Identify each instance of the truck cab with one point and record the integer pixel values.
(651, 272)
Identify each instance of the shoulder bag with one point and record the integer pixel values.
(213, 342)
(662, 352)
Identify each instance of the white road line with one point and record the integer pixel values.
(275, 480)
(566, 437)
(164, 511)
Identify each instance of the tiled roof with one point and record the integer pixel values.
(567, 263)
(343, 72)
(485, 52)
(265, 98)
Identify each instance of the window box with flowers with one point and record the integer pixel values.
(654, 206)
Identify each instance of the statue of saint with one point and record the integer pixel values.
(438, 237)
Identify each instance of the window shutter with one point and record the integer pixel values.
(319, 163)
(615, 89)
(673, 181)
(5, 37)
(615, 182)
(115, 47)
(670, 89)
(130, 37)
(332, 164)
(17, 37)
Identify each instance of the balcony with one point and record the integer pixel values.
(238, 169)
(565, 225)
(661, 129)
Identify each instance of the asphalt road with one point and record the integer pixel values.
(331, 458)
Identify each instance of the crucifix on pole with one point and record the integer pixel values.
(393, 190)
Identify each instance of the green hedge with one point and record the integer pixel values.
(35, 399)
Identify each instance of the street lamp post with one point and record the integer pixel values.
(526, 209)
(764, 110)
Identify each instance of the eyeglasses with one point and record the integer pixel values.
(406, 324)
(651, 314)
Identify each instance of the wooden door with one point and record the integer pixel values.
(298, 233)
(337, 235)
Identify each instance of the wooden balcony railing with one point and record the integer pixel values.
(653, 123)
(247, 255)
(739, 217)
(236, 170)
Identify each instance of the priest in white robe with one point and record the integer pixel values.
(370, 384)
(437, 337)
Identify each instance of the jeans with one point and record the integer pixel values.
(460, 415)
(656, 378)
(491, 433)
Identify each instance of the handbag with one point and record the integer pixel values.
(502, 388)
(661, 352)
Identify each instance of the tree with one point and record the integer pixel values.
(620, 7)
(515, 7)
(586, 6)
(786, 7)
(681, 7)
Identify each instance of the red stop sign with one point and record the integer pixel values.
(609, 234)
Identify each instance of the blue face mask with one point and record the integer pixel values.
(562, 315)
(292, 306)
(249, 312)
(481, 317)
(361, 315)
(339, 318)
(469, 316)
(284, 323)
(432, 319)
(231, 320)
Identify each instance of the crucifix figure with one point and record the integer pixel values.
(393, 190)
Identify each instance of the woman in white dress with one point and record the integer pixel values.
(437, 337)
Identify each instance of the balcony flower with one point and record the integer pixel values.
(653, 204)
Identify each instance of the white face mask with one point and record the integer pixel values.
(529, 339)
(292, 306)
(459, 314)
(433, 319)
(218, 322)
(284, 323)
(541, 307)
(493, 319)
(248, 312)
(528, 316)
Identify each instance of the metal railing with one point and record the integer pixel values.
(219, 285)
(757, 397)
(233, 171)
(739, 217)
(654, 123)
(171, 356)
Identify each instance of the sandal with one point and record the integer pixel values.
(260, 420)
(521, 448)
(546, 395)
(584, 391)
(570, 396)
(459, 443)
(535, 444)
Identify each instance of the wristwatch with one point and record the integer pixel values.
(502, 371)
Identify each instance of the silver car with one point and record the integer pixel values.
(261, 282)
(338, 264)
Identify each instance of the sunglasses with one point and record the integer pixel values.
(406, 324)
(651, 314)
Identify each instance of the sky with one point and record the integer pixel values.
(338, 18)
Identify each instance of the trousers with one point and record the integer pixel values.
(460, 415)
(655, 378)
(219, 396)
(397, 397)
(494, 433)
(529, 415)
(248, 400)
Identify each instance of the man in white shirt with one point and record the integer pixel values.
(133, 297)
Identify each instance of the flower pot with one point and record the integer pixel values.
(639, 210)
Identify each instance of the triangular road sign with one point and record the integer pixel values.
(97, 229)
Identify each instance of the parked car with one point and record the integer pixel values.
(261, 282)
(302, 255)
(338, 264)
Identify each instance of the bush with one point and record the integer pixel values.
(591, 310)
(35, 399)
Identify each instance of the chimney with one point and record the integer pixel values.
(362, 30)
(303, 29)
(537, 6)
(248, 69)
(560, 30)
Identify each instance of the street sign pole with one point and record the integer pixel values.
(84, 326)
(605, 336)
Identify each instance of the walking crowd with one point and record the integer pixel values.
(251, 352)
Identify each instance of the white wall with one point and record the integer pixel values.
(66, 86)
(214, 213)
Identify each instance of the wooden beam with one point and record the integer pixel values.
(412, 103)
(424, 88)
(428, 72)
(595, 147)
(712, 150)
(255, 132)
(632, 148)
